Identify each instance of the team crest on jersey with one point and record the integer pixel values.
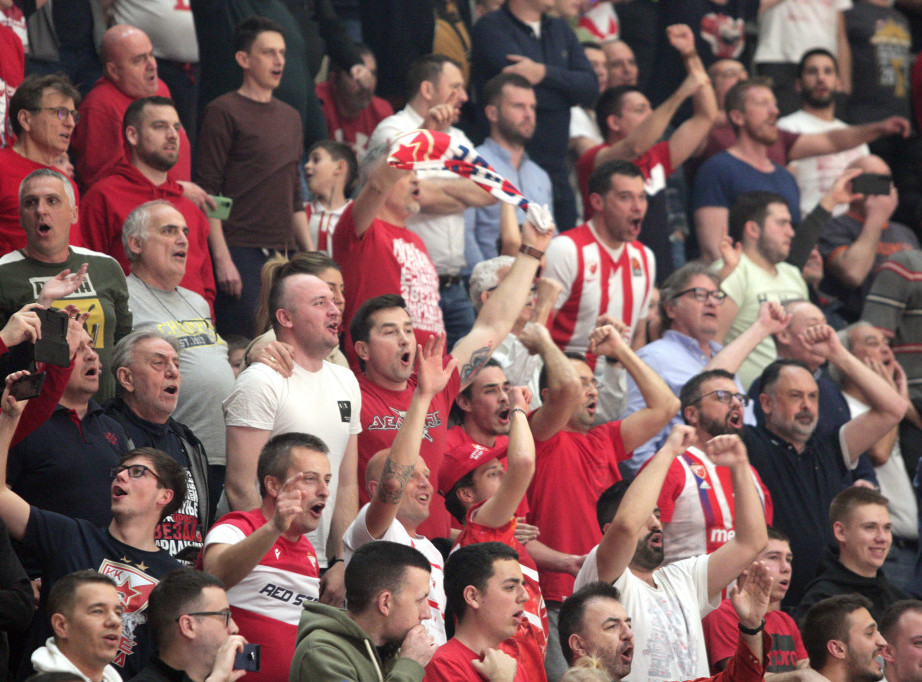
(134, 587)
(592, 270)
(636, 270)
(698, 470)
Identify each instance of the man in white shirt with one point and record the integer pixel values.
(436, 93)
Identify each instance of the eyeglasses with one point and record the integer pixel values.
(62, 112)
(701, 294)
(134, 471)
(225, 614)
(724, 397)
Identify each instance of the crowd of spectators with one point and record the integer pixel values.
(278, 405)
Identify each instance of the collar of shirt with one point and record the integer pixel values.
(690, 344)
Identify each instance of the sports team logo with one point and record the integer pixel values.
(134, 587)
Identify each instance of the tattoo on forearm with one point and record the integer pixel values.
(387, 492)
(478, 359)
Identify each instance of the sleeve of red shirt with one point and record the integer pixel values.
(721, 635)
(744, 667)
(672, 486)
(344, 239)
(769, 506)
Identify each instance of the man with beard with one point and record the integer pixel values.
(761, 221)
(594, 624)
(842, 640)
(802, 471)
(666, 603)
(151, 130)
(817, 83)
(510, 108)
(696, 502)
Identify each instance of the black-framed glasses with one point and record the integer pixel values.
(701, 294)
(134, 471)
(225, 614)
(62, 112)
(724, 397)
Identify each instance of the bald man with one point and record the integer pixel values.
(129, 72)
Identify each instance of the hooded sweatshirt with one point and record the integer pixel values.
(49, 659)
(835, 579)
(109, 201)
(331, 647)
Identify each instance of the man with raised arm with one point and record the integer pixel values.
(147, 486)
(264, 557)
(803, 471)
(666, 603)
(398, 483)
(574, 455)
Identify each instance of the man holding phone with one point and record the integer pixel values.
(855, 244)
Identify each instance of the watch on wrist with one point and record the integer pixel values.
(531, 251)
(752, 631)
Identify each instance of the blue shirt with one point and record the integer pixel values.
(676, 358)
(481, 225)
(724, 177)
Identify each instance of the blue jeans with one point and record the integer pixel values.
(457, 312)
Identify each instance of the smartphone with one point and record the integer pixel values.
(248, 659)
(222, 207)
(871, 183)
(28, 387)
(52, 347)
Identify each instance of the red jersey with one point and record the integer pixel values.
(108, 203)
(387, 259)
(572, 470)
(721, 635)
(697, 506)
(452, 661)
(12, 66)
(267, 603)
(98, 143)
(355, 132)
(383, 411)
(535, 611)
(14, 167)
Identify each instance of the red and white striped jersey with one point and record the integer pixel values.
(597, 280)
(322, 222)
(697, 507)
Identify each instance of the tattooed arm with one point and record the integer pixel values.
(401, 460)
(502, 308)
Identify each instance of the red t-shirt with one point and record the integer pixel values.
(382, 416)
(721, 636)
(14, 167)
(535, 610)
(387, 259)
(98, 143)
(452, 661)
(572, 470)
(354, 132)
(108, 203)
(655, 164)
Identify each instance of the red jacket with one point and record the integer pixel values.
(106, 205)
(98, 143)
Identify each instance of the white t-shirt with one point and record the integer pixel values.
(894, 483)
(792, 27)
(582, 124)
(668, 638)
(815, 175)
(357, 535)
(326, 404)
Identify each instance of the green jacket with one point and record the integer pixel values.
(331, 647)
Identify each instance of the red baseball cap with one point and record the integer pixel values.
(462, 460)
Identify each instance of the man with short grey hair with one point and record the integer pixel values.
(47, 213)
(146, 366)
(157, 244)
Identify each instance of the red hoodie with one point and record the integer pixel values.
(108, 202)
(98, 142)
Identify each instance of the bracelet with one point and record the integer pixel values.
(531, 251)
(519, 409)
(331, 564)
(752, 631)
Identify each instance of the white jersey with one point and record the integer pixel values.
(357, 535)
(322, 222)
